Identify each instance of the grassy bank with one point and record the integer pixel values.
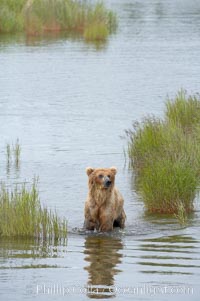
(22, 215)
(165, 155)
(36, 17)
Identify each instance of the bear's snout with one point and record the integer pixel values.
(107, 182)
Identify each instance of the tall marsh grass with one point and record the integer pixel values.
(184, 111)
(11, 16)
(92, 21)
(22, 215)
(165, 155)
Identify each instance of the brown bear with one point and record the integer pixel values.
(104, 203)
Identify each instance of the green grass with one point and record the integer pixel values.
(11, 16)
(145, 139)
(22, 215)
(164, 183)
(17, 152)
(165, 156)
(184, 111)
(181, 214)
(92, 21)
(98, 32)
(99, 23)
(13, 152)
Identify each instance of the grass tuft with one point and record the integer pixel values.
(92, 21)
(165, 155)
(165, 182)
(15, 152)
(22, 215)
(184, 111)
(181, 214)
(98, 32)
(11, 17)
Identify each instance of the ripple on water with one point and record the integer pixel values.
(174, 254)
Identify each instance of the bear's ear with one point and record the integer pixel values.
(113, 169)
(89, 170)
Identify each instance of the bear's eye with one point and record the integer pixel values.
(109, 176)
(100, 176)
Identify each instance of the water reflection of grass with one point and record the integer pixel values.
(31, 266)
(37, 17)
(8, 153)
(30, 253)
(165, 155)
(174, 254)
(22, 215)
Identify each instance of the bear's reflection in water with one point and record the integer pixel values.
(103, 257)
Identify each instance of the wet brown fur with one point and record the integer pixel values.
(103, 206)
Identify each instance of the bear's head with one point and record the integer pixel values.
(101, 178)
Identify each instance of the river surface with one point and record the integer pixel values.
(69, 102)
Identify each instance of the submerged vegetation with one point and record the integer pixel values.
(13, 152)
(36, 17)
(165, 155)
(22, 215)
(17, 152)
(8, 153)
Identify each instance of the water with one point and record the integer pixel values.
(69, 102)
